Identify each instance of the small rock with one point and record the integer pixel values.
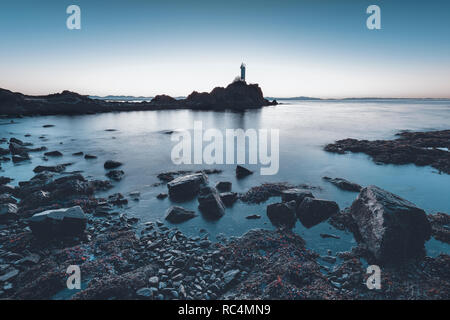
(110, 164)
(178, 214)
(242, 172)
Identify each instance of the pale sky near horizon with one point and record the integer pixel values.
(291, 48)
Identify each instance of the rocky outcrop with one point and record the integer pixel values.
(393, 228)
(237, 95)
(440, 226)
(314, 211)
(178, 214)
(186, 186)
(58, 223)
(420, 148)
(282, 214)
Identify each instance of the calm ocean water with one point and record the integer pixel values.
(305, 127)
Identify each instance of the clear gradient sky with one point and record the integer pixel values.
(291, 48)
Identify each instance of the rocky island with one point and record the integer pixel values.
(236, 96)
(420, 148)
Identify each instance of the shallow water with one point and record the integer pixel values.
(305, 127)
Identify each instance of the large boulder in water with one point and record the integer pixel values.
(314, 211)
(186, 186)
(58, 223)
(393, 228)
(282, 214)
(177, 214)
(209, 203)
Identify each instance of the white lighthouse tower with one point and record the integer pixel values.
(242, 72)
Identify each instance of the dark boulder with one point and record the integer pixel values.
(314, 211)
(90, 156)
(162, 196)
(110, 164)
(228, 198)
(223, 186)
(58, 223)
(393, 228)
(242, 172)
(8, 211)
(186, 186)
(177, 214)
(36, 199)
(5, 180)
(344, 184)
(7, 198)
(282, 214)
(295, 194)
(209, 202)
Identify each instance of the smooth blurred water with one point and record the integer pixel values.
(305, 127)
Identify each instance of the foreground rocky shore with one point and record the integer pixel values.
(55, 220)
(237, 95)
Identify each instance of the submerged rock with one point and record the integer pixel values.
(58, 223)
(314, 211)
(210, 203)
(282, 214)
(178, 214)
(344, 184)
(186, 186)
(53, 154)
(116, 175)
(393, 228)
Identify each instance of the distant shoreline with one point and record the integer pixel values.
(236, 96)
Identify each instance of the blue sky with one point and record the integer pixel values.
(291, 48)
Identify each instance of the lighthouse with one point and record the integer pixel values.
(242, 72)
